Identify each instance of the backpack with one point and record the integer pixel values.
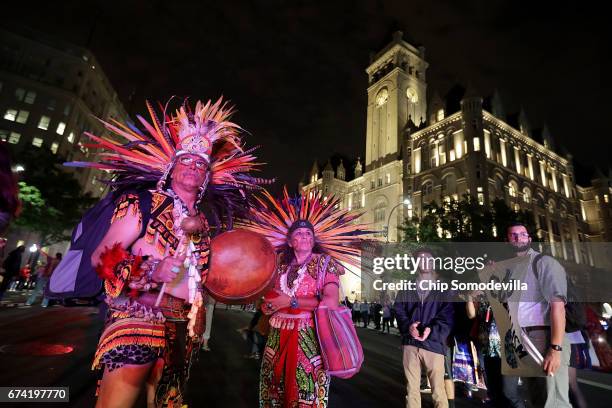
(575, 315)
(75, 276)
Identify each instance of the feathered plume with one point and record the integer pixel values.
(139, 158)
(336, 231)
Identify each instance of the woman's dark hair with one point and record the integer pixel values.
(9, 193)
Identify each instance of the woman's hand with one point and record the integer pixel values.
(273, 304)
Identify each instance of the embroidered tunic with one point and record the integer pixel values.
(139, 334)
(292, 372)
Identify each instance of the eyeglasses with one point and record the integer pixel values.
(186, 161)
(519, 235)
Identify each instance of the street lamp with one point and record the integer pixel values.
(19, 168)
(33, 248)
(405, 202)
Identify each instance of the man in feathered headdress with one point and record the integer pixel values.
(154, 257)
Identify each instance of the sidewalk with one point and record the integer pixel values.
(16, 298)
(371, 326)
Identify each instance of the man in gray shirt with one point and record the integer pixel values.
(541, 315)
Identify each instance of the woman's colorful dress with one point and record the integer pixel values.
(292, 372)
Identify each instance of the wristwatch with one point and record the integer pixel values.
(556, 347)
(294, 302)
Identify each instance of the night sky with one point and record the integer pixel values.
(296, 69)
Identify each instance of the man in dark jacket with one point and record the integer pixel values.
(11, 266)
(425, 318)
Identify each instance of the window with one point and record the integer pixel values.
(70, 138)
(542, 221)
(19, 94)
(511, 190)
(51, 104)
(4, 135)
(67, 110)
(22, 116)
(60, 128)
(54, 147)
(526, 195)
(30, 97)
(372, 184)
(380, 182)
(43, 123)
(476, 144)
(10, 114)
(441, 153)
(606, 198)
(389, 179)
(427, 188)
(14, 137)
(439, 115)
(379, 215)
(37, 141)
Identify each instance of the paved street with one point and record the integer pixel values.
(54, 346)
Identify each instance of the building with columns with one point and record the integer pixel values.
(418, 152)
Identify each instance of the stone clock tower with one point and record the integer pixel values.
(396, 92)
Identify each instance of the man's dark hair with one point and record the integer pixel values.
(530, 230)
(424, 250)
(517, 224)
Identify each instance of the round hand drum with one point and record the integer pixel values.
(242, 266)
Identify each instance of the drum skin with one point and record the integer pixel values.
(242, 267)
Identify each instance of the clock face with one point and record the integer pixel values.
(412, 95)
(382, 97)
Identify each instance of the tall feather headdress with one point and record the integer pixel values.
(144, 158)
(336, 231)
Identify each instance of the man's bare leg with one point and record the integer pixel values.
(152, 381)
(120, 388)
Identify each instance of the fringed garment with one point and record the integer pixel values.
(138, 334)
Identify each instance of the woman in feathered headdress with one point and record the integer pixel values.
(154, 257)
(313, 236)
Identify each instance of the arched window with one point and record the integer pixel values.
(563, 211)
(527, 195)
(551, 206)
(512, 189)
(449, 184)
(380, 211)
(499, 186)
(427, 188)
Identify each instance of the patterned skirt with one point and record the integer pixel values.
(292, 372)
(138, 334)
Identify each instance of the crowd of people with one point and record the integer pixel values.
(381, 315)
(450, 337)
